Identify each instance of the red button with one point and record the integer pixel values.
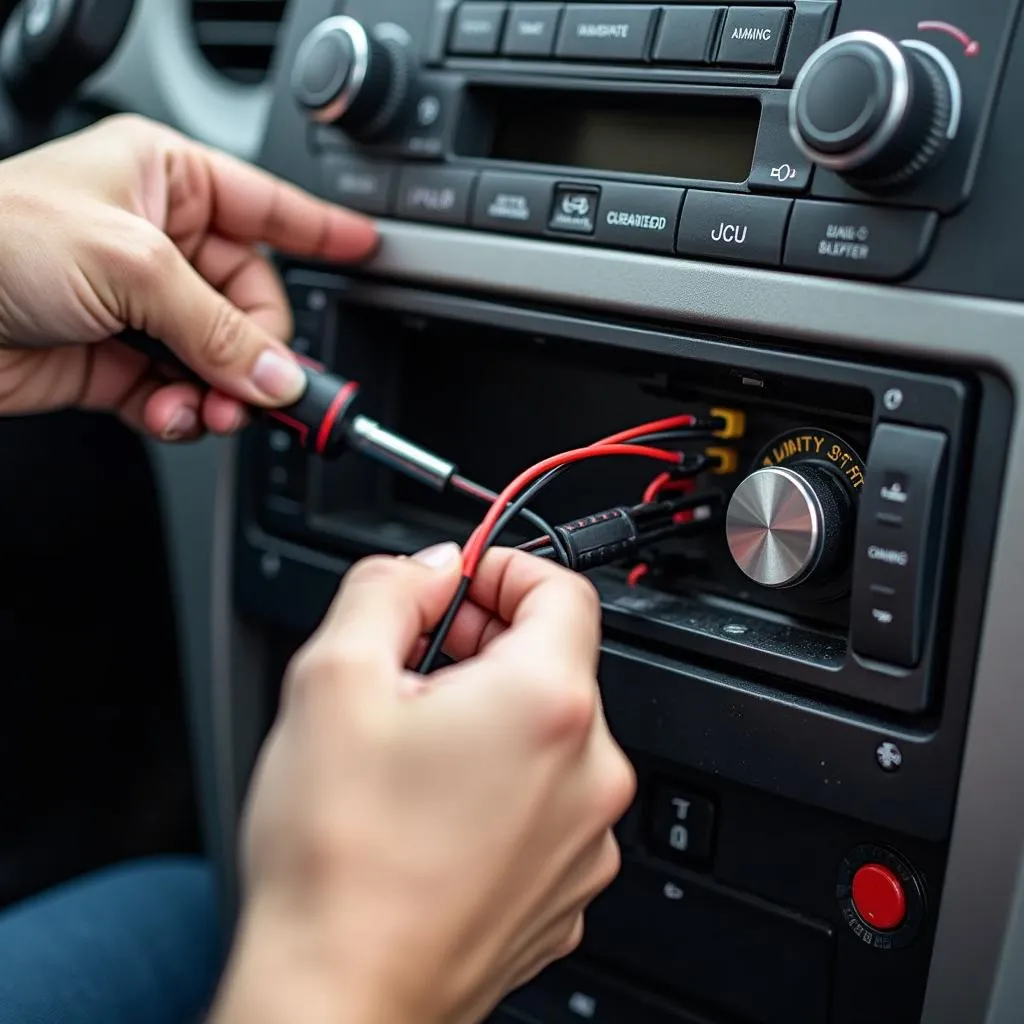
(878, 897)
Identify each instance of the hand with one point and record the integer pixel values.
(415, 848)
(131, 224)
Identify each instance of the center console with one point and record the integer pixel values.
(600, 214)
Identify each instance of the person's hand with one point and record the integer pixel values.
(129, 224)
(415, 848)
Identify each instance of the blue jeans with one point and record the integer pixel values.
(135, 944)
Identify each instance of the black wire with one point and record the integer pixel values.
(440, 634)
(540, 483)
(466, 486)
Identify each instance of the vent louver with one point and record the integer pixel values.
(237, 37)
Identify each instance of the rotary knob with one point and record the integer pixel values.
(349, 77)
(877, 112)
(786, 526)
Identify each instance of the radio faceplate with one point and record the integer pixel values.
(795, 136)
(745, 704)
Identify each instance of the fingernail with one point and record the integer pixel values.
(278, 376)
(438, 557)
(183, 423)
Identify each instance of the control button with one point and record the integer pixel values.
(517, 203)
(681, 824)
(786, 525)
(477, 29)
(779, 165)
(606, 32)
(687, 35)
(881, 897)
(575, 209)
(878, 897)
(895, 563)
(434, 194)
(531, 30)
(359, 184)
(753, 36)
(724, 226)
(850, 240)
(878, 112)
(564, 994)
(639, 217)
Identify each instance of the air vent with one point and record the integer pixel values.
(238, 37)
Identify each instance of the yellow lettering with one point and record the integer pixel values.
(767, 462)
(835, 452)
(818, 442)
(779, 454)
(791, 447)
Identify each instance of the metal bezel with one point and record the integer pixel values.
(333, 110)
(894, 115)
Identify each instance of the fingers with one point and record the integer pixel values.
(251, 206)
(385, 605)
(248, 281)
(549, 608)
(157, 290)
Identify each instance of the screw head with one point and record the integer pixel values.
(892, 399)
(889, 756)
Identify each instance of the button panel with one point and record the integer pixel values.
(752, 37)
(514, 203)
(575, 209)
(477, 29)
(438, 195)
(736, 228)
(531, 30)
(737, 37)
(639, 217)
(681, 824)
(605, 32)
(897, 534)
(778, 165)
(852, 240)
(364, 185)
(687, 35)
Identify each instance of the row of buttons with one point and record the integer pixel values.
(843, 239)
(738, 36)
(895, 565)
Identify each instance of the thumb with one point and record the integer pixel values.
(386, 605)
(169, 299)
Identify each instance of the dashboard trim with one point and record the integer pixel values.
(988, 836)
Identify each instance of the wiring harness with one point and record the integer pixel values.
(604, 537)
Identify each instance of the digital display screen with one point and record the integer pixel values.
(703, 138)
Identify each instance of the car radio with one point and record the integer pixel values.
(791, 674)
(786, 135)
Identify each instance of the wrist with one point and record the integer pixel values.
(280, 974)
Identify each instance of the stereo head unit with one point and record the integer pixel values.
(797, 136)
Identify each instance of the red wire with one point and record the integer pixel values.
(654, 427)
(472, 552)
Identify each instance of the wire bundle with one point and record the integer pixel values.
(636, 442)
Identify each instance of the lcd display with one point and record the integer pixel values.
(670, 136)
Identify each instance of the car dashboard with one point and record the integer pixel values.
(792, 220)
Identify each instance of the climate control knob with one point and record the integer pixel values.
(877, 112)
(786, 526)
(347, 76)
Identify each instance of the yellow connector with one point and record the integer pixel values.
(735, 423)
(728, 460)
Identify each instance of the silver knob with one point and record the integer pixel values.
(784, 526)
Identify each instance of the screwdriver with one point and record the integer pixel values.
(324, 420)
